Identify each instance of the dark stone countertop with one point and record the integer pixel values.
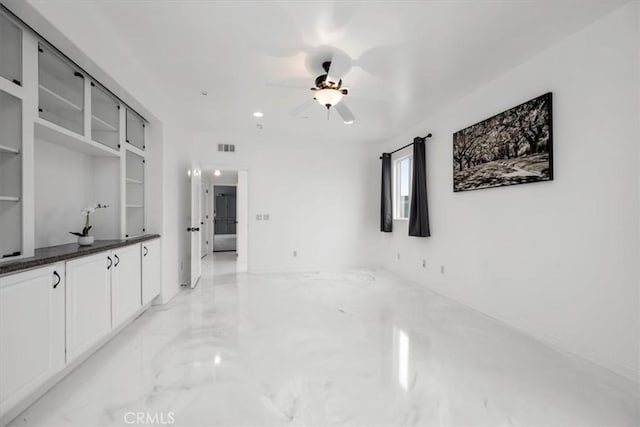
(53, 254)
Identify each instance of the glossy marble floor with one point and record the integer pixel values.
(350, 348)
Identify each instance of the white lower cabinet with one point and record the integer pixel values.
(32, 335)
(151, 270)
(126, 286)
(88, 302)
(67, 309)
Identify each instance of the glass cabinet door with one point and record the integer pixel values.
(105, 117)
(135, 195)
(10, 176)
(61, 91)
(135, 130)
(10, 51)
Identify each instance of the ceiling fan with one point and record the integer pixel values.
(328, 90)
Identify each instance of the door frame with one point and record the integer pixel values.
(213, 210)
(242, 213)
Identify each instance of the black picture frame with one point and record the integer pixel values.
(510, 148)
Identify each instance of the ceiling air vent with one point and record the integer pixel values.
(227, 148)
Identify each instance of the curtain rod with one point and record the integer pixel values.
(410, 144)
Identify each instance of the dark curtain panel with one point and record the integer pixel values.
(386, 215)
(419, 211)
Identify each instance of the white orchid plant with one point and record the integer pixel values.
(87, 213)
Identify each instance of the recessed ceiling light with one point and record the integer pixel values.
(217, 172)
(258, 114)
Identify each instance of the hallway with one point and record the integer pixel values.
(329, 348)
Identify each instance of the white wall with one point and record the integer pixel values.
(559, 259)
(316, 193)
(67, 181)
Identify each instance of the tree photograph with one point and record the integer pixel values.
(513, 147)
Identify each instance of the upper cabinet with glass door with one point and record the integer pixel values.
(10, 51)
(135, 130)
(105, 117)
(61, 91)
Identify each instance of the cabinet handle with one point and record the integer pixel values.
(110, 263)
(55, 285)
(146, 250)
(117, 260)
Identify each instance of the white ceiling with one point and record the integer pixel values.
(408, 58)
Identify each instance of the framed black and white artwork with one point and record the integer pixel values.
(513, 147)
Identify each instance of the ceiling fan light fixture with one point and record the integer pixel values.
(328, 97)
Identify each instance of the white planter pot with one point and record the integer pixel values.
(85, 240)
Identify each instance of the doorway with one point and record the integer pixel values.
(225, 196)
(225, 218)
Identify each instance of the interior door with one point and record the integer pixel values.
(225, 220)
(194, 228)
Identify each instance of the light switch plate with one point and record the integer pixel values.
(259, 217)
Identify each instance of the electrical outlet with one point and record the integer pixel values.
(398, 255)
(424, 263)
(295, 254)
(259, 217)
(442, 269)
(265, 217)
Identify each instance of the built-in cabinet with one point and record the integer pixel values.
(60, 91)
(53, 316)
(11, 153)
(88, 302)
(10, 51)
(126, 283)
(135, 200)
(105, 117)
(151, 270)
(47, 101)
(32, 331)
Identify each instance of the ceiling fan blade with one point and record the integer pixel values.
(340, 65)
(345, 113)
(303, 107)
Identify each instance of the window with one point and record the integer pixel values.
(402, 187)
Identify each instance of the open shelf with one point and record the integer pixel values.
(134, 181)
(58, 135)
(9, 199)
(4, 149)
(135, 206)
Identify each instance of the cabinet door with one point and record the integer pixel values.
(88, 302)
(10, 51)
(151, 265)
(126, 283)
(31, 331)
